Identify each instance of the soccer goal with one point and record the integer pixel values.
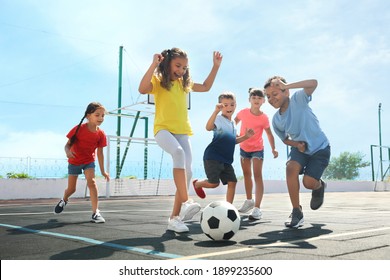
(146, 170)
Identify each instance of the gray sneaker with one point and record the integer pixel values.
(295, 220)
(248, 205)
(317, 196)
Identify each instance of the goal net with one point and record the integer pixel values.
(138, 167)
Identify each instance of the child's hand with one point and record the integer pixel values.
(157, 59)
(249, 132)
(106, 175)
(218, 107)
(301, 146)
(275, 153)
(279, 84)
(217, 58)
(70, 154)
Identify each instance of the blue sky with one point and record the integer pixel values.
(57, 56)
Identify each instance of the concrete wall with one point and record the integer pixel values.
(54, 188)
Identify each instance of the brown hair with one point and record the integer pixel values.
(163, 70)
(227, 95)
(91, 108)
(255, 92)
(268, 82)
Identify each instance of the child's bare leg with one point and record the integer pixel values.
(231, 191)
(292, 174)
(72, 180)
(311, 183)
(258, 176)
(93, 190)
(176, 205)
(246, 170)
(181, 195)
(317, 193)
(205, 184)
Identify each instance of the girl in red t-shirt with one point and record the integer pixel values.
(86, 140)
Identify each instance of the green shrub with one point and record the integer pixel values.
(13, 175)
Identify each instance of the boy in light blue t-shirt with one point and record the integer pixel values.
(218, 156)
(298, 127)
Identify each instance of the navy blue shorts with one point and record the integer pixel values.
(250, 155)
(312, 165)
(78, 169)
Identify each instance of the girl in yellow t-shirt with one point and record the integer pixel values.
(168, 79)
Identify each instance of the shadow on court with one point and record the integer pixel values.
(107, 249)
(291, 237)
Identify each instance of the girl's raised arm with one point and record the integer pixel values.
(145, 85)
(208, 83)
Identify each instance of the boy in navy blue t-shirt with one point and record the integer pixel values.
(218, 156)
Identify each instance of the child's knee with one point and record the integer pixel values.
(293, 168)
(92, 184)
(178, 157)
(310, 182)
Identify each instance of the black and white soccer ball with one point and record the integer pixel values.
(220, 220)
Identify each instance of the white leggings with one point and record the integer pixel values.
(179, 147)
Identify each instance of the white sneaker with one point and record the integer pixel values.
(256, 214)
(97, 218)
(177, 225)
(188, 210)
(248, 205)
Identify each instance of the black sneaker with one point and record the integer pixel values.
(60, 206)
(295, 220)
(317, 196)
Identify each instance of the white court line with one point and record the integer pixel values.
(75, 212)
(79, 200)
(94, 242)
(280, 244)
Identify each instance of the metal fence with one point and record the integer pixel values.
(158, 168)
(34, 167)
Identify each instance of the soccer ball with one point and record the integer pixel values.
(220, 220)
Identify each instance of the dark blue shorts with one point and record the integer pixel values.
(78, 169)
(250, 155)
(216, 171)
(311, 165)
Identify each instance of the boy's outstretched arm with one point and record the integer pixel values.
(210, 123)
(248, 134)
(308, 85)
